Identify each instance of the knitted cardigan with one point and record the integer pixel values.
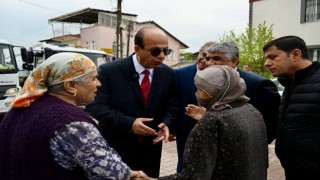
(226, 144)
(25, 135)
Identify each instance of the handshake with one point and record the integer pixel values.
(140, 175)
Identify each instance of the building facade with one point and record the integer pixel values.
(100, 33)
(291, 17)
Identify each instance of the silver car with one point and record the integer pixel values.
(279, 86)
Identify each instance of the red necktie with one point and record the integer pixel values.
(145, 87)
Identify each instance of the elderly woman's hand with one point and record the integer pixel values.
(195, 112)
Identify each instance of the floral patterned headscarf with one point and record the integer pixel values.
(56, 69)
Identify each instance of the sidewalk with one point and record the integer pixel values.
(169, 162)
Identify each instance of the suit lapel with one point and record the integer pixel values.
(155, 83)
(132, 77)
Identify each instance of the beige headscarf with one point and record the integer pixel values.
(224, 80)
(56, 69)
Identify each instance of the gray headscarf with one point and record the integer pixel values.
(224, 80)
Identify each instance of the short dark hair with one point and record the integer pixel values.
(288, 44)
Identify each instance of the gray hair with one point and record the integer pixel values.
(229, 49)
(206, 45)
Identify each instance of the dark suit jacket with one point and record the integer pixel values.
(184, 124)
(119, 102)
(264, 96)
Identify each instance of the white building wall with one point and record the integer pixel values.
(285, 15)
(102, 36)
(174, 57)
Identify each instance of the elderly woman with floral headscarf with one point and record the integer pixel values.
(47, 136)
(229, 141)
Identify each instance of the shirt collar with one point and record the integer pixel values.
(138, 67)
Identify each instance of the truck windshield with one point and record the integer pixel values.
(7, 60)
(98, 59)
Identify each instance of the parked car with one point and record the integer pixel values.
(279, 86)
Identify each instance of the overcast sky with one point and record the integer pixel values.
(194, 22)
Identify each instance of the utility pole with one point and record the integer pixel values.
(129, 36)
(119, 53)
(250, 23)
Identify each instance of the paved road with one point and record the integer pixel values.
(169, 162)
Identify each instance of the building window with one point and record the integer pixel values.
(318, 54)
(114, 22)
(314, 54)
(312, 10)
(170, 56)
(109, 20)
(114, 48)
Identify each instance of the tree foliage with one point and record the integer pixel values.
(187, 56)
(250, 44)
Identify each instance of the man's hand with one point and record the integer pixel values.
(138, 128)
(163, 134)
(195, 112)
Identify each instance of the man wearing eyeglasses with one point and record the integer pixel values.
(262, 92)
(137, 102)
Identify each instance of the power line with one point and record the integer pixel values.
(39, 6)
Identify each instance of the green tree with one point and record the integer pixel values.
(186, 55)
(250, 44)
(230, 36)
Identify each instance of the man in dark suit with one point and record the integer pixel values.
(263, 93)
(187, 90)
(132, 124)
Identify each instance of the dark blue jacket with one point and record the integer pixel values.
(184, 124)
(264, 96)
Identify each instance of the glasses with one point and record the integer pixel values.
(214, 58)
(156, 51)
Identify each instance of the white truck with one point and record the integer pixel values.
(9, 73)
(41, 52)
(16, 64)
(44, 51)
